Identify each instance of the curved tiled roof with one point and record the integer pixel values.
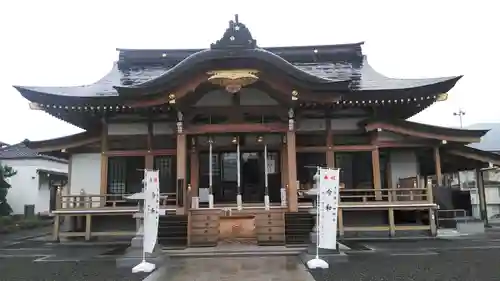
(129, 72)
(326, 75)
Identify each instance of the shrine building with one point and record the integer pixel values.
(235, 125)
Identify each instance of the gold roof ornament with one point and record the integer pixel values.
(442, 97)
(35, 106)
(233, 80)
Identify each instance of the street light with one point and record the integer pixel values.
(460, 113)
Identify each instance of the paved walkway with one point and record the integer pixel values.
(235, 268)
(25, 234)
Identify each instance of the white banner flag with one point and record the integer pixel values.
(328, 207)
(151, 210)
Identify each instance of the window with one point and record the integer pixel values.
(229, 166)
(166, 167)
(125, 175)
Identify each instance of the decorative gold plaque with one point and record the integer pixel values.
(233, 80)
(442, 97)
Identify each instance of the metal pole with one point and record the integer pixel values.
(459, 113)
(266, 181)
(266, 172)
(239, 199)
(238, 167)
(210, 175)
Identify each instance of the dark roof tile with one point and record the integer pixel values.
(21, 151)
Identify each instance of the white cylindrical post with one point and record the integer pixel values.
(210, 175)
(239, 199)
(266, 180)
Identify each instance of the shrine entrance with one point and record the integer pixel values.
(242, 170)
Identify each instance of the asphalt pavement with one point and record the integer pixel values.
(34, 260)
(471, 259)
(467, 259)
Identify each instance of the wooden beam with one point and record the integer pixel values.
(292, 172)
(437, 162)
(236, 110)
(157, 152)
(236, 128)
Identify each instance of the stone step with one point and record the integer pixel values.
(234, 251)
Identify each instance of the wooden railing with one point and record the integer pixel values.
(409, 190)
(385, 194)
(90, 201)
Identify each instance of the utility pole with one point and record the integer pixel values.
(459, 113)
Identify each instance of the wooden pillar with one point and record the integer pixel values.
(340, 221)
(377, 185)
(392, 225)
(181, 174)
(330, 155)
(104, 161)
(437, 161)
(292, 172)
(149, 158)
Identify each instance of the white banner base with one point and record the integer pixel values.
(144, 267)
(317, 263)
(283, 197)
(266, 202)
(239, 201)
(195, 202)
(211, 201)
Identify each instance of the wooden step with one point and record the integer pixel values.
(204, 228)
(298, 226)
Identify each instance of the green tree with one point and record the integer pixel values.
(5, 173)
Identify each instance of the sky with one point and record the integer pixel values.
(70, 43)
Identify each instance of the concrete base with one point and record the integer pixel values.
(330, 256)
(470, 227)
(133, 254)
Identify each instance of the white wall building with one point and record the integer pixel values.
(36, 177)
(491, 187)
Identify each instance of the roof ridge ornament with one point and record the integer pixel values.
(236, 36)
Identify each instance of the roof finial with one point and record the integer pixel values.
(237, 35)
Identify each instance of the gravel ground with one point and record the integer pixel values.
(24, 269)
(450, 265)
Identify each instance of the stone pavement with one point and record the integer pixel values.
(278, 268)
